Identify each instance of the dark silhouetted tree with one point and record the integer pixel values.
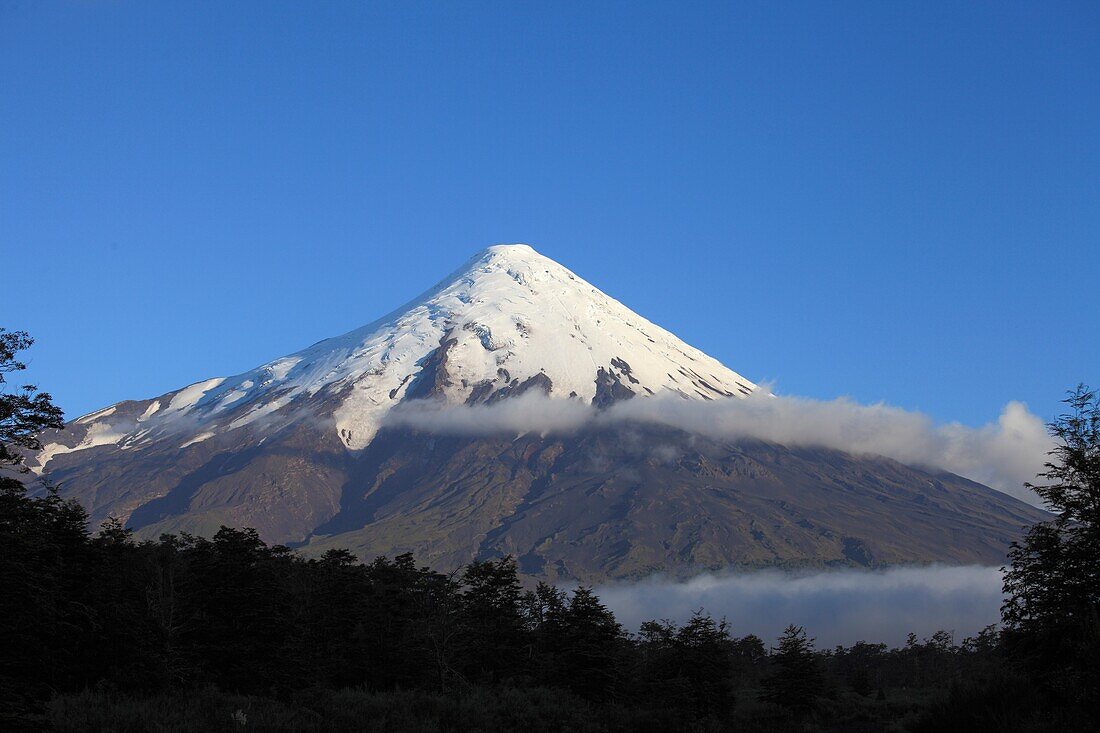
(26, 412)
(590, 639)
(1052, 583)
(704, 647)
(544, 610)
(795, 681)
(493, 620)
(39, 540)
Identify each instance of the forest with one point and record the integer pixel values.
(103, 631)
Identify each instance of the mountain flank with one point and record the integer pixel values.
(304, 450)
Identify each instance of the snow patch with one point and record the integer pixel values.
(198, 439)
(260, 411)
(279, 369)
(98, 434)
(150, 411)
(93, 416)
(189, 396)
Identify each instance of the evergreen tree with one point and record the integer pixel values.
(544, 611)
(1054, 575)
(704, 647)
(749, 657)
(493, 621)
(659, 677)
(1052, 583)
(44, 612)
(795, 681)
(401, 620)
(860, 665)
(590, 641)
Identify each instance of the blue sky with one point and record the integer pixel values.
(891, 201)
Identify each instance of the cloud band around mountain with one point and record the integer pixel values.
(836, 606)
(1003, 454)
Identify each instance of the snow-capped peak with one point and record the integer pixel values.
(508, 321)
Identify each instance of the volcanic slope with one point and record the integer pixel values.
(303, 449)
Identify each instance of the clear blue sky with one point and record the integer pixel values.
(892, 201)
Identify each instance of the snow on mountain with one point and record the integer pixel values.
(294, 449)
(508, 321)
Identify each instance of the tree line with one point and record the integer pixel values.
(101, 630)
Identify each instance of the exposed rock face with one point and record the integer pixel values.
(433, 379)
(610, 389)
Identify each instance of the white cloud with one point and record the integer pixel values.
(1003, 454)
(836, 607)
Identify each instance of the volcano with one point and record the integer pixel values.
(306, 450)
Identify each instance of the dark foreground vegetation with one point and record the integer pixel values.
(101, 632)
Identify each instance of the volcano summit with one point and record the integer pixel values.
(304, 449)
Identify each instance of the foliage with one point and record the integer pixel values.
(109, 626)
(795, 681)
(1052, 583)
(25, 413)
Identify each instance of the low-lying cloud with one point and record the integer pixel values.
(1003, 454)
(836, 607)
